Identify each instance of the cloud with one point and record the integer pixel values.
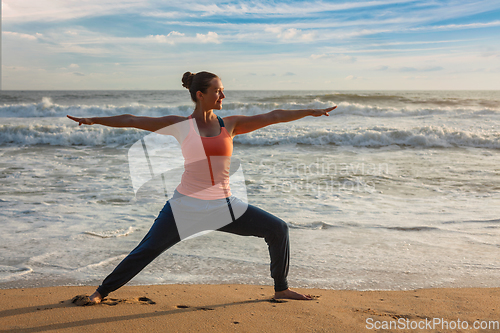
(458, 26)
(74, 66)
(344, 58)
(16, 68)
(415, 77)
(406, 69)
(169, 14)
(77, 49)
(63, 10)
(21, 35)
(78, 74)
(422, 69)
(400, 43)
(490, 53)
(290, 33)
(318, 56)
(289, 74)
(210, 37)
(76, 40)
(354, 77)
(286, 9)
(171, 38)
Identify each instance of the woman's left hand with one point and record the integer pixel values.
(322, 112)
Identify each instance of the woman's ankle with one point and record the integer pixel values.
(96, 297)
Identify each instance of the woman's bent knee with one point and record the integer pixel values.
(280, 228)
(284, 228)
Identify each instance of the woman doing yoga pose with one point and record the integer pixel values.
(207, 144)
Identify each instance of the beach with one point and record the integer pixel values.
(250, 308)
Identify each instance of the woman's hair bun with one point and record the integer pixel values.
(200, 81)
(187, 79)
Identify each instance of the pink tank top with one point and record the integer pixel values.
(206, 164)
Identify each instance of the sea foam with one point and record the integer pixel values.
(376, 136)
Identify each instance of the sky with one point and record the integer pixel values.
(251, 45)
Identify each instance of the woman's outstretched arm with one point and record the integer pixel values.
(152, 124)
(246, 124)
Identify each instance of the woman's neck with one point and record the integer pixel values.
(203, 116)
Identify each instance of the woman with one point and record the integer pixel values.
(215, 135)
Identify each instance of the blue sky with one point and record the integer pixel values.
(300, 45)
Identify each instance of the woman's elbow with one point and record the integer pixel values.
(130, 120)
(276, 116)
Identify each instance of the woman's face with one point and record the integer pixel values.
(212, 99)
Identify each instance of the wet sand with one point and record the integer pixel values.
(248, 308)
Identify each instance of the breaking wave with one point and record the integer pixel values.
(426, 136)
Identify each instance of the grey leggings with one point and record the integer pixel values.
(163, 234)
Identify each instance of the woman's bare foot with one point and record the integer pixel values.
(95, 297)
(290, 294)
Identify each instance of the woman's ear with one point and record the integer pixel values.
(199, 95)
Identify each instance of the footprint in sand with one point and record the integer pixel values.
(84, 300)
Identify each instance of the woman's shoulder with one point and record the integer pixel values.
(229, 123)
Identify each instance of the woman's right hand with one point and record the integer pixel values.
(80, 121)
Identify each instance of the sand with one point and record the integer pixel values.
(248, 308)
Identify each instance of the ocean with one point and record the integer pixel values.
(394, 190)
